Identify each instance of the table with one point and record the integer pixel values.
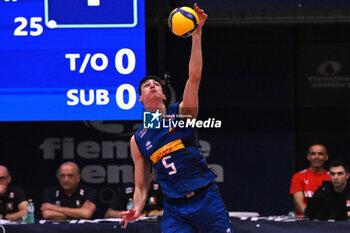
(240, 225)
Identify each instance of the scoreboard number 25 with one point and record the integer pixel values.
(34, 28)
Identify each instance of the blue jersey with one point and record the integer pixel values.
(175, 153)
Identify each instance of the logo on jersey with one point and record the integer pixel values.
(306, 181)
(78, 203)
(152, 201)
(148, 145)
(151, 120)
(308, 194)
(129, 190)
(9, 206)
(142, 133)
(155, 186)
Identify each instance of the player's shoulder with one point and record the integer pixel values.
(303, 171)
(300, 174)
(141, 131)
(174, 108)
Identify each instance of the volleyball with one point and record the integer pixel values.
(183, 21)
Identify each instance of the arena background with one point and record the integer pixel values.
(279, 81)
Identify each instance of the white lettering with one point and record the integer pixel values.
(85, 149)
(88, 150)
(115, 173)
(218, 124)
(74, 100)
(120, 96)
(199, 124)
(94, 174)
(119, 148)
(94, 64)
(91, 97)
(102, 97)
(49, 146)
(205, 148)
(72, 60)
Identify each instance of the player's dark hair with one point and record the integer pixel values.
(337, 163)
(154, 77)
(318, 144)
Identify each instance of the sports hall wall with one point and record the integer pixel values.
(274, 87)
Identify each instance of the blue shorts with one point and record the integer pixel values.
(204, 211)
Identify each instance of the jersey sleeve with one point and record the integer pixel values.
(296, 184)
(20, 195)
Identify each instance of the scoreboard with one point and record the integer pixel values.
(71, 59)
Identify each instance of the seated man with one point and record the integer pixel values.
(71, 199)
(339, 186)
(13, 201)
(153, 207)
(305, 183)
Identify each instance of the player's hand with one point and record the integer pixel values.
(128, 216)
(202, 16)
(87, 204)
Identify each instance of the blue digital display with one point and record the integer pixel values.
(82, 63)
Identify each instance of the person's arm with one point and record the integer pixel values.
(189, 104)
(57, 212)
(155, 213)
(51, 214)
(299, 202)
(112, 213)
(142, 184)
(22, 210)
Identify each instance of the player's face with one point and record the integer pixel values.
(151, 89)
(338, 176)
(317, 156)
(69, 177)
(5, 179)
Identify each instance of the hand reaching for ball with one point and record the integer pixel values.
(202, 16)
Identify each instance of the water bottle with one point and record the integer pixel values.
(292, 215)
(129, 205)
(30, 212)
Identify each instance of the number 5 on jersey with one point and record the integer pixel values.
(170, 165)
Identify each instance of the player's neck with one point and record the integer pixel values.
(69, 192)
(153, 107)
(317, 170)
(340, 189)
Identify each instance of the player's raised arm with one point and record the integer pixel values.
(189, 104)
(142, 184)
